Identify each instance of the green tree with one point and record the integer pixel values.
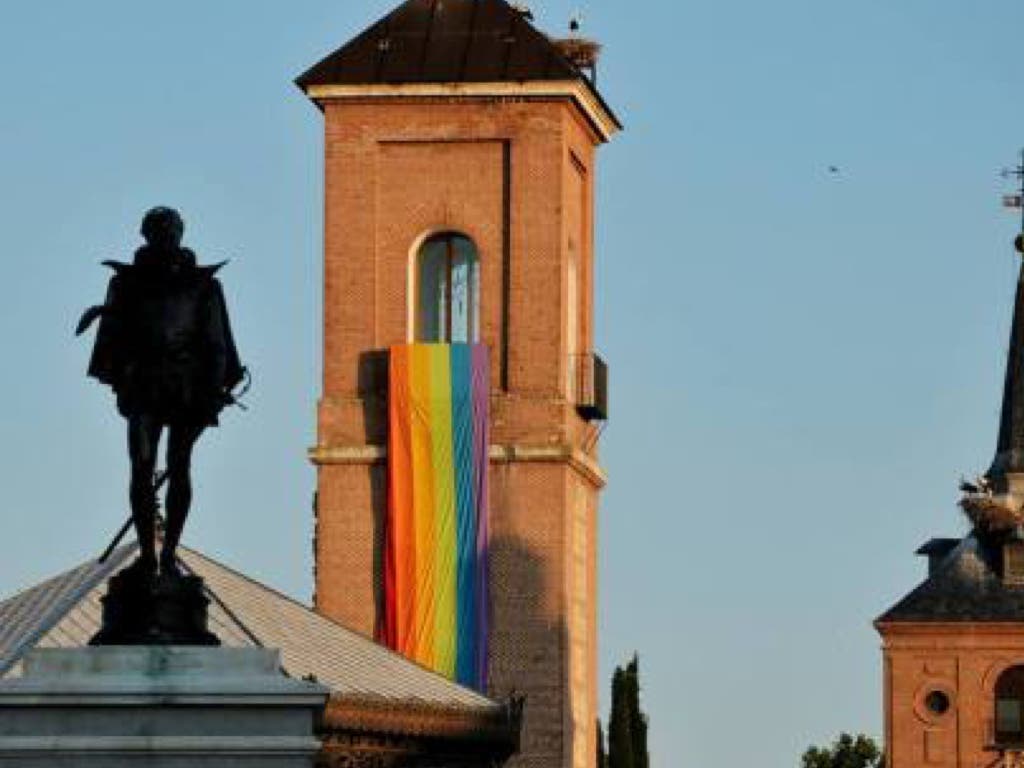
(602, 759)
(620, 738)
(637, 719)
(845, 752)
(627, 725)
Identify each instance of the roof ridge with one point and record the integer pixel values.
(55, 612)
(952, 557)
(214, 597)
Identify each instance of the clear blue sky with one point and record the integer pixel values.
(802, 363)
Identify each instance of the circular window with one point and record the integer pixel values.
(937, 702)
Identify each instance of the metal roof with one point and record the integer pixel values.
(26, 618)
(65, 611)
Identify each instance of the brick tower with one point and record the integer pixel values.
(953, 648)
(454, 127)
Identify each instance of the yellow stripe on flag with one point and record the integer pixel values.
(445, 517)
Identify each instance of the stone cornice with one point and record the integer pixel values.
(603, 121)
(347, 454)
(497, 726)
(582, 462)
(916, 637)
(949, 627)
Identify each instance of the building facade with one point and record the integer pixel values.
(460, 158)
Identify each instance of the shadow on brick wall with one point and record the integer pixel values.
(379, 501)
(529, 652)
(372, 387)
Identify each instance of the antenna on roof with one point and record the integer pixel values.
(1016, 200)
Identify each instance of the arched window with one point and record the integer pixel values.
(1009, 714)
(447, 290)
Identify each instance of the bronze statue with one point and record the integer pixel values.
(164, 345)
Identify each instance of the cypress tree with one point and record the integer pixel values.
(620, 739)
(602, 759)
(637, 718)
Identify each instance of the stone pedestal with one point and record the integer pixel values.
(157, 706)
(163, 610)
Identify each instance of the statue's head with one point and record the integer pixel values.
(163, 227)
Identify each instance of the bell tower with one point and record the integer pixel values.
(953, 647)
(460, 149)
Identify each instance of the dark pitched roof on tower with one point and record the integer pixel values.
(1010, 446)
(447, 41)
(965, 587)
(429, 41)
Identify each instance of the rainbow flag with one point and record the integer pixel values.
(435, 560)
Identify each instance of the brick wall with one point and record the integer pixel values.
(961, 660)
(516, 176)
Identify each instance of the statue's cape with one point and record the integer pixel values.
(114, 351)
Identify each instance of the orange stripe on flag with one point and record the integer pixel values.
(402, 531)
(423, 504)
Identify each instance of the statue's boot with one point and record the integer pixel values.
(143, 567)
(144, 522)
(169, 566)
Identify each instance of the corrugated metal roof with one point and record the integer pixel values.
(65, 612)
(30, 615)
(312, 644)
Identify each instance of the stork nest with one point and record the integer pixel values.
(991, 513)
(581, 52)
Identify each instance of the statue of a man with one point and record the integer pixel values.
(165, 347)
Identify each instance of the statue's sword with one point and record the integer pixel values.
(158, 480)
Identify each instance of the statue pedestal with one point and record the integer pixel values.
(159, 610)
(157, 706)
